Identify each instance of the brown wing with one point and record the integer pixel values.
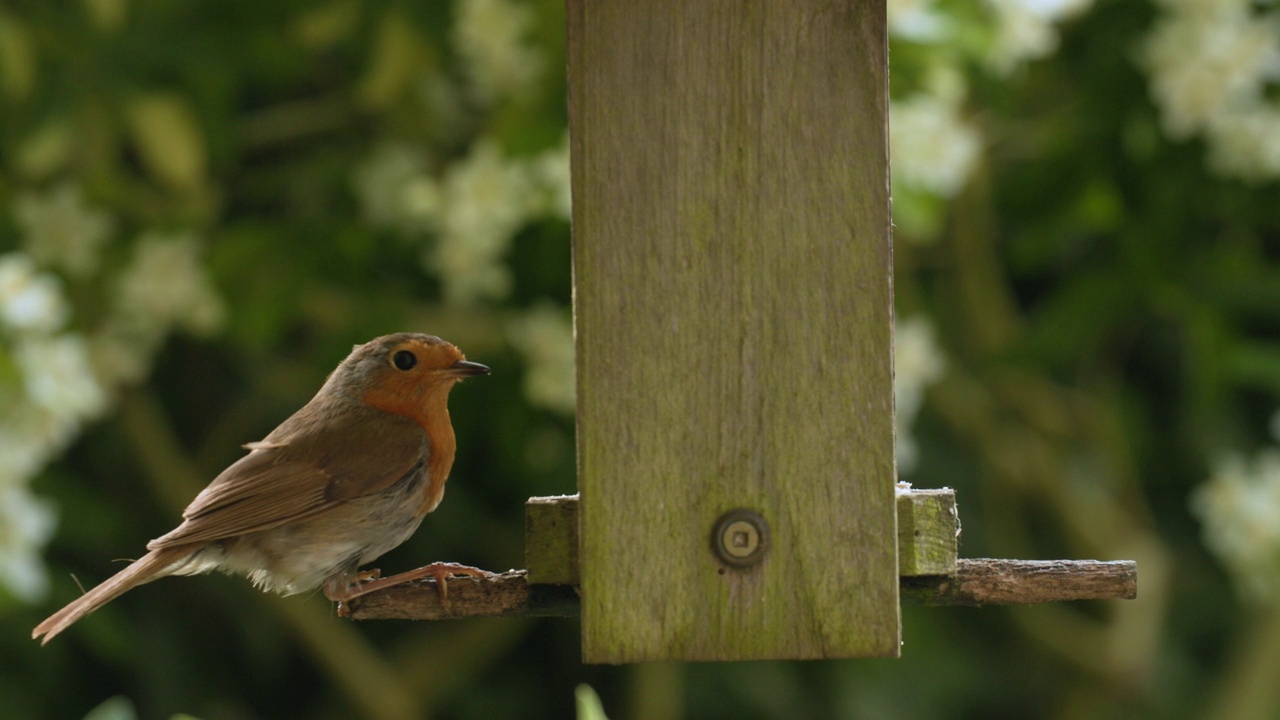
(295, 475)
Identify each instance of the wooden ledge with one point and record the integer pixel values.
(931, 574)
(976, 582)
(928, 531)
(508, 594)
(985, 581)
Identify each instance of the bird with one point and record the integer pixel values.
(342, 481)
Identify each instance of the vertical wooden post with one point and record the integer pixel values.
(734, 311)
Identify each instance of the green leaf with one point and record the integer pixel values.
(588, 703)
(397, 59)
(169, 140)
(116, 708)
(17, 58)
(46, 151)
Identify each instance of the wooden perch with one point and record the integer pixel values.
(976, 582)
(505, 595)
(1021, 582)
(930, 572)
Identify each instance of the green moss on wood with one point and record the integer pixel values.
(733, 305)
(928, 526)
(928, 529)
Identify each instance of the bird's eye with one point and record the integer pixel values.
(404, 360)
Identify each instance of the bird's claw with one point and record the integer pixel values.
(441, 572)
(371, 581)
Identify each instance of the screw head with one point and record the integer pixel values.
(740, 538)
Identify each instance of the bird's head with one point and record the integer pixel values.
(405, 374)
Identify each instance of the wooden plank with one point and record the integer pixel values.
(733, 311)
(928, 527)
(976, 582)
(1021, 582)
(928, 531)
(551, 540)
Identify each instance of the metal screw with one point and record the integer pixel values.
(740, 538)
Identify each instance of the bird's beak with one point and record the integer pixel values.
(466, 368)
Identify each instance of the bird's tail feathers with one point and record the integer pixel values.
(140, 571)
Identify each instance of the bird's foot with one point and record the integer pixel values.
(440, 572)
(372, 581)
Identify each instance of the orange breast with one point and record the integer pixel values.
(428, 406)
(439, 463)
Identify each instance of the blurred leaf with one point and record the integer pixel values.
(46, 151)
(168, 137)
(17, 58)
(1099, 208)
(117, 708)
(397, 59)
(108, 15)
(325, 26)
(588, 703)
(1254, 363)
(917, 216)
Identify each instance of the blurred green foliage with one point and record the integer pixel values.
(1106, 305)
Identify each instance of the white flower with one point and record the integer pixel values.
(1240, 508)
(59, 377)
(917, 20)
(1025, 29)
(21, 456)
(918, 362)
(1246, 144)
(1210, 66)
(485, 200)
(394, 190)
(29, 436)
(475, 209)
(29, 300)
(550, 170)
(26, 524)
(420, 200)
(490, 35)
(544, 335)
(1204, 62)
(931, 146)
(61, 230)
(165, 285)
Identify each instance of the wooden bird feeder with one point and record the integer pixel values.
(734, 313)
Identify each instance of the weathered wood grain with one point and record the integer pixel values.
(1019, 582)
(551, 540)
(504, 595)
(732, 270)
(928, 527)
(928, 531)
(976, 582)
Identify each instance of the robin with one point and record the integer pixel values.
(345, 479)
